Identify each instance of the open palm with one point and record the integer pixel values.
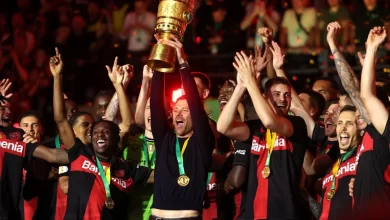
(5, 84)
(278, 58)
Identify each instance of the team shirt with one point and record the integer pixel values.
(14, 155)
(168, 194)
(52, 200)
(340, 205)
(86, 200)
(369, 196)
(278, 196)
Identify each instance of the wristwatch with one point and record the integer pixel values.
(184, 65)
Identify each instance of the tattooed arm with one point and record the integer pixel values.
(345, 72)
(51, 155)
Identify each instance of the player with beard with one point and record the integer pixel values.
(369, 194)
(141, 148)
(184, 157)
(336, 202)
(273, 182)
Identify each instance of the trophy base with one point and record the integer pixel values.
(162, 58)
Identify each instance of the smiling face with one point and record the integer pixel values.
(104, 139)
(330, 120)
(225, 93)
(31, 125)
(82, 128)
(347, 131)
(279, 97)
(182, 120)
(5, 114)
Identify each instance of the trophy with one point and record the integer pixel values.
(173, 16)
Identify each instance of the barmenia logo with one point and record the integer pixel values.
(12, 146)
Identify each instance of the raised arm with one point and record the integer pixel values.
(51, 155)
(376, 110)
(227, 125)
(272, 121)
(116, 76)
(199, 117)
(278, 62)
(348, 78)
(267, 36)
(157, 111)
(143, 96)
(112, 109)
(64, 129)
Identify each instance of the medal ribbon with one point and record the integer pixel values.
(336, 167)
(270, 137)
(106, 178)
(57, 141)
(146, 154)
(179, 155)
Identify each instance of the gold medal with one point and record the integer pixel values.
(330, 194)
(110, 204)
(183, 180)
(266, 172)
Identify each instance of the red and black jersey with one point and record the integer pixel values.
(340, 206)
(51, 201)
(14, 154)
(323, 145)
(278, 196)
(370, 198)
(86, 192)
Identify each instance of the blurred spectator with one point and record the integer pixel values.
(119, 9)
(19, 39)
(366, 17)
(335, 12)
(79, 40)
(139, 27)
(220, 35)
(259, 13)
(297, 31)
(40, 92)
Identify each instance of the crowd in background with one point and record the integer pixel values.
(89, 33)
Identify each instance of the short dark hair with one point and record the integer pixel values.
(107, 92)
(75, 117)
(382, 95)
(30, 113)
(275, 81)
(316, 100)
(113, 125)
(333, 84)
(348, 108)
(203, 78)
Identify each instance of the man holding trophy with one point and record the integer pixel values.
(183, 154)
